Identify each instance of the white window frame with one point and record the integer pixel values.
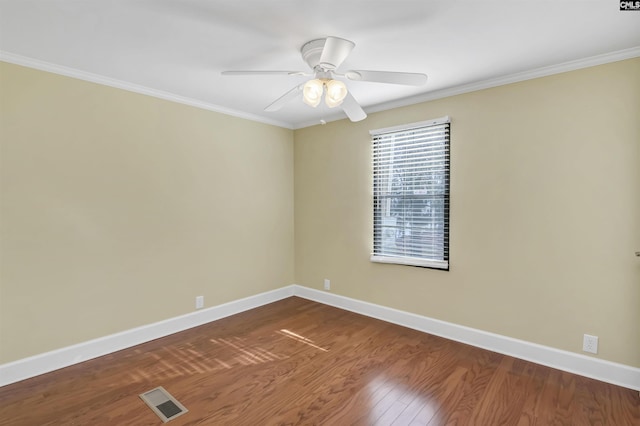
(382, 155)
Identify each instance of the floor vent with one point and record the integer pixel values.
(163, 404)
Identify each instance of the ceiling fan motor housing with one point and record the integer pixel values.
(312, 51)
(326, 54)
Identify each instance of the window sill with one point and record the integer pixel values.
(411, 261)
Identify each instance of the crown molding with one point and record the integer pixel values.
(605, 58)
(592, 61)
(131, 87)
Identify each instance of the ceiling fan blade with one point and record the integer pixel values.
(282, 100)
(407, 78)
(335, 51)
(247, 72)
(352, 108)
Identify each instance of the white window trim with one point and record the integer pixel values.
(410, 126)
(411, 261)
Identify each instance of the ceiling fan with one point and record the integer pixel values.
(324, 56)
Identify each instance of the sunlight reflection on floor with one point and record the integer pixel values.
(171, 362)
(301, 339)
(223, 353)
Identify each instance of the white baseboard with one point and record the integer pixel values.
(606, 371)
(49, 361)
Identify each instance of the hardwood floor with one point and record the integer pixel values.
(300, 362)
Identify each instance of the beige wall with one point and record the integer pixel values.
(545, 212)
(117, 209)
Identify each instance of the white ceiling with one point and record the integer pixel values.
(176, 49)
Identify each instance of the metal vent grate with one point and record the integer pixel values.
(163, 404)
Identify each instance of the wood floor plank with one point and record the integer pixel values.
(297, 362)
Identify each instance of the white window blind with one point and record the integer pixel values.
(411, 194)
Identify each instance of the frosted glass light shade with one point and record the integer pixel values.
(312, 92)
(336, 92)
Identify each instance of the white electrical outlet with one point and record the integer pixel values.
(590, 344)
(199, 302)
(327, 284)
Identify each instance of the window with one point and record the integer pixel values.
(411, 194)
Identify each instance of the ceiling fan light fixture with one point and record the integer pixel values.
(312, 92)
(336, 92)
(324, 56)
